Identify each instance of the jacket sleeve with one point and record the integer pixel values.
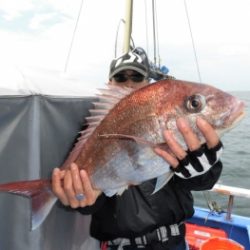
(201, 182)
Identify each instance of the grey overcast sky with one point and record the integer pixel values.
(38, 33)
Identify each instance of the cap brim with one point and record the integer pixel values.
(128, 67)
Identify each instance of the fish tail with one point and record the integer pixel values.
(40, 194)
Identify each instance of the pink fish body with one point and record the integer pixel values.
(117, 148)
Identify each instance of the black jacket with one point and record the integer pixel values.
(138, 211)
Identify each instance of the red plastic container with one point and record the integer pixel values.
(196, 235)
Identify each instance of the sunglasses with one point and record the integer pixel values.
(125, 77)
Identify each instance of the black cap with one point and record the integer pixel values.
(129, 61)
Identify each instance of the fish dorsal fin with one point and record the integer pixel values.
(108, 98)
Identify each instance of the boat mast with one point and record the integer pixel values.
(155, 72)
(128, 25)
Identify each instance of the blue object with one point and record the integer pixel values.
(80, 197)
(164, 70)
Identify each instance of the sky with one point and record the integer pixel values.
(38, 34)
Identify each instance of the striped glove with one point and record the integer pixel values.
(199, 161)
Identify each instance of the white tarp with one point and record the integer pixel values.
(17, 80)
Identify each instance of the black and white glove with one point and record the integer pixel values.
(199, 161)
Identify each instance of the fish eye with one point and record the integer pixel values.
(195, 103)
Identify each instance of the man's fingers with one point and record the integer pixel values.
(212, 138)
(77, 182)
(70, 185)
(69, 190)
(192, 141)
(62, 173)
(175, 151)
(90, 193)
(176, 155)
(173, 145)
(169, 158)
(188, 134)
(57, 186)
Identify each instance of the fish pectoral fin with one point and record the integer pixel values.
(138, 140)
(162, 181)
(163, 146)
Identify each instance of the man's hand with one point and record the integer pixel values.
(73, 187)
(198, 158)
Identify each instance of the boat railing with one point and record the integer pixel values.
(231, 192)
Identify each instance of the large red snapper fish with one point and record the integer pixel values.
(117, 149)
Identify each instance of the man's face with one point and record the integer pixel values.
(129, 78)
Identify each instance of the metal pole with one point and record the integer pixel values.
(128, 25)
(230, 207)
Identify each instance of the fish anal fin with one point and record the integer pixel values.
(118, 191)
(162, 181)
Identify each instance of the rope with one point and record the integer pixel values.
(146, 24)
(157, 37)
(154, 31)
(157, 58)
(73, 38)
(193, 44)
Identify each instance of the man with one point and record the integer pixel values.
(139, 219)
